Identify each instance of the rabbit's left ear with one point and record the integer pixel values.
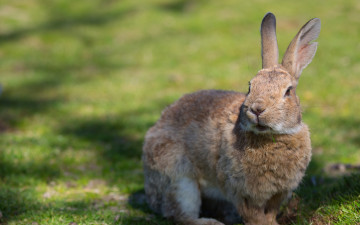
(301, 49)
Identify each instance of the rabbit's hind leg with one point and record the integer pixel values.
(182, 203)
(155, 185)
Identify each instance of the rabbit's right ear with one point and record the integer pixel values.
(269, 47)
(301, 49)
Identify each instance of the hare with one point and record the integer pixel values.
(249, 149)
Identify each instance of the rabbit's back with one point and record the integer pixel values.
(189, 130)
(201, 106)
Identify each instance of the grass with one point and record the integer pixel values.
(83, 81)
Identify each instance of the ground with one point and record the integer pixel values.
(82, 81)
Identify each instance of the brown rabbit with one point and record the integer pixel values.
(249, 149)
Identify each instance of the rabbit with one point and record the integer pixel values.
(250, 149)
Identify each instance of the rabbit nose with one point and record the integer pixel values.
(257, 109)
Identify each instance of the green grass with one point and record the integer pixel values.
(83, 81)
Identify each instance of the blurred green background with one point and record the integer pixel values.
(82, 81)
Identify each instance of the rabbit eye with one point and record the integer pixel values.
(287, 93)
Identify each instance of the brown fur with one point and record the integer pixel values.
(211, 143)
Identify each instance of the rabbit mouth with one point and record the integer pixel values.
(261, 128)
(256, 127)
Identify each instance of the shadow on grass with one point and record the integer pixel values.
(33, 170)
(326, 191)
(15, 201)
(118, 136)
(17, 180)
(20, 104)
(15, 109)
(35, 96)
(117, 139)
(60, 20)
(320, 189)
(105, 133)
(180, 6)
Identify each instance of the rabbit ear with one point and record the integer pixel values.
(300, 51)
(269, 47)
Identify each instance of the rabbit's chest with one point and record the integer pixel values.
(274, 169)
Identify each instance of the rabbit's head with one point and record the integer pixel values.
(271, 105)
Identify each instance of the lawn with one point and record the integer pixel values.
(82, 81)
